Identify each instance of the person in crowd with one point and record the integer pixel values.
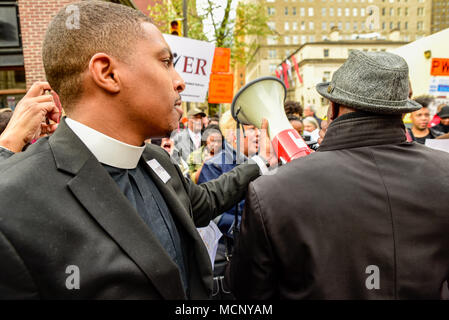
(92, 212)
(229, 158)
(310, 111)
(361, 218)
(29, 122)
(311, 129)
(5, 116)
(214, 120)
(296, 124)
(420, 131)
(188, 140)
(443, 126)
(212, 145)
(293, 108)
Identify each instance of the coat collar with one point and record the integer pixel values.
(359, 129)
(101, 197)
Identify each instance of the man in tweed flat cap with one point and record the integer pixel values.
(361, 218)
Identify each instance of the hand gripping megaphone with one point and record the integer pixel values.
(264, 98)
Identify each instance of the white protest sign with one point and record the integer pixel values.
(193, 61)
(438, 144)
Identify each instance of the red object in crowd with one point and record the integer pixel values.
(295, 64)
(278, 75)
(434, 121)
(409, 137)
(285, 68)
(289, 146)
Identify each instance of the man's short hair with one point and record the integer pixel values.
(292, 107)
(67, 49)
(424, 100)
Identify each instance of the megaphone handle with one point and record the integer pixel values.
(289, 145)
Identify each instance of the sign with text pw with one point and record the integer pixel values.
(440, 67)
(193, 61)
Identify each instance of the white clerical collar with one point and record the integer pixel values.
(107, 150)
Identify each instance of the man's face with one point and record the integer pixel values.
(420, 118)
(214, 143)
(195, 123)
(297, 125)
(151, 86)
(308, 112)
(444, 121)
(251, 141)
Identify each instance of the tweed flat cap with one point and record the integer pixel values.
(371, 81)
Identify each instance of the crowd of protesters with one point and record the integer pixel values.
(118, 192)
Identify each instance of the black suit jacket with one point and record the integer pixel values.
(60, 208)
(368, 199)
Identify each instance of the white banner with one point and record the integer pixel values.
(193, 61)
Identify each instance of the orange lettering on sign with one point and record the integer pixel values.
(222, 57)
(221, 88)
(440, 67)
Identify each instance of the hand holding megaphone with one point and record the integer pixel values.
(264, 98)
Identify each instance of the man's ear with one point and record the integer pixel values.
(102, 69)
(334, 111)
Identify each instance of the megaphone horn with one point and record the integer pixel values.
(264, 98)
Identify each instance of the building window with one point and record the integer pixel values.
(294, 11)
(339, 10)
(272, 53)
(286, 11)
(303, 25)
(331, 12)
(355, 25)
(391, 12)
(347, 12)
(311, 25)
(302, 12)
(286, 28)
(383, 11)
(348, 25)
(271, 40)
(295, 39)
(323, 26)
(419, 26)
(295, 26)
(399, 25)
(271, 25)
(272, 68)
(326, 76)
(405, 25)
(287, 40)
(391, 25)
(323, 12)
(420, 12)
(340, 25)
(362, 12)
(271, 11)
(310, 12)
(303, 39)
(326, 53)
(354, 12)
(406, 11)
(383, 25)
(399, 12)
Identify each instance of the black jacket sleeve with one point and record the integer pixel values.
(251, 269)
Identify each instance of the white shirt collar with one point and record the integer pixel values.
(107, 150)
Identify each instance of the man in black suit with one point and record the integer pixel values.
(91, 212)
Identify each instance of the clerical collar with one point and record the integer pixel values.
(107, 150)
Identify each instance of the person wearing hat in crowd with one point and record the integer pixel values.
(443, 126)
(189, 139)
(373, 224)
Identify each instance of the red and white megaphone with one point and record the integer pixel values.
(264, 98)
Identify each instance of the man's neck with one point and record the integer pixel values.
(419, 133)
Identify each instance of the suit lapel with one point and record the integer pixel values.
(102, 198)
(181, 214)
